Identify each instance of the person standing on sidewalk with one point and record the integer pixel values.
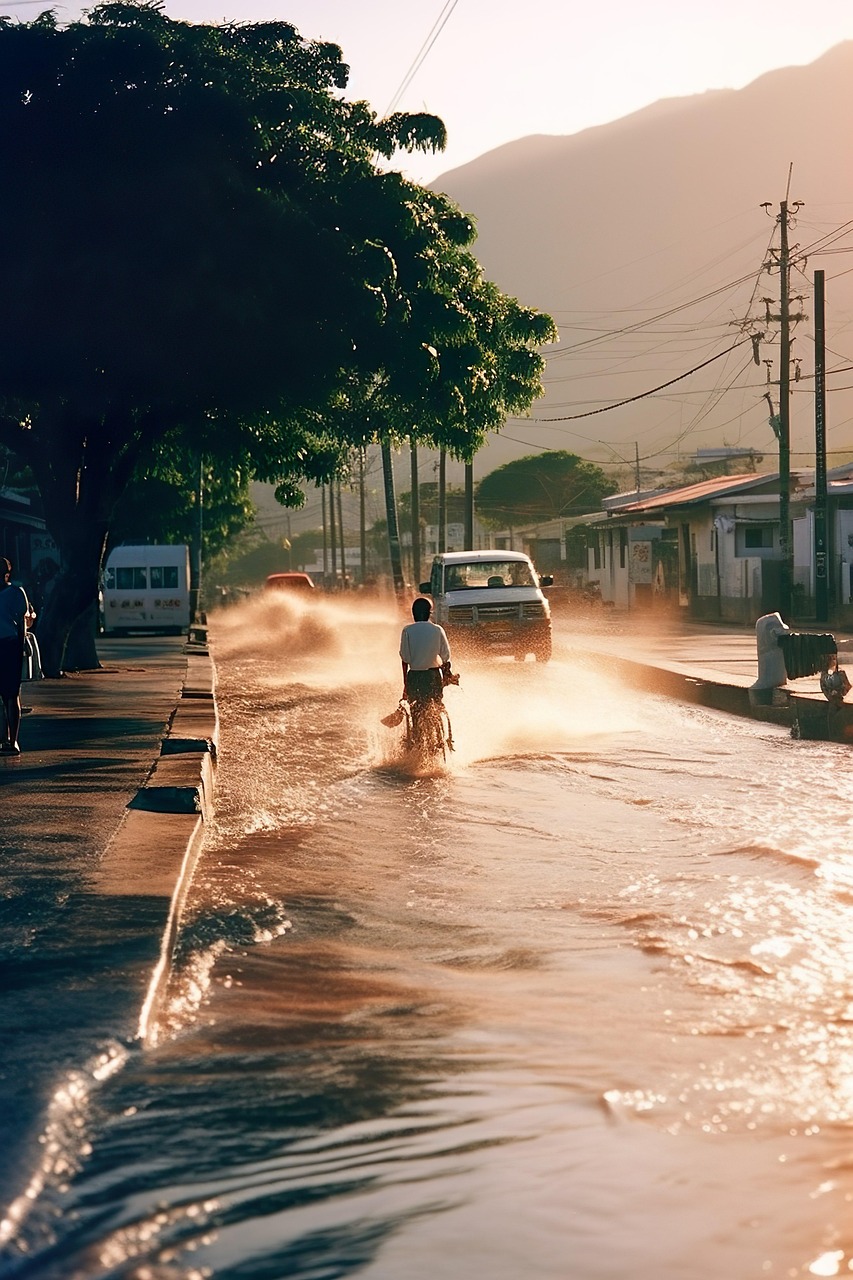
(14, 613)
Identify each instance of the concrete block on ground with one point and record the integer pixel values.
(146, 855)
(193, 727)
(143, 883)
(200, 680)
(179, 783)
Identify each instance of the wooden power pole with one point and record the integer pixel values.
(781, 421)
(416, 517)
(821, 557)
(442, 502)
(469, 506)
(785, 539)
(394, 553)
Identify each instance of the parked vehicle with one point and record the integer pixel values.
(146, 588)
(289, 582)
(491, 602)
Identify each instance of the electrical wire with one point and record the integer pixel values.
(644, 394)
(640, 324)
(436, 30)
(823, 242)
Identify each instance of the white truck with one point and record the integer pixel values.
(491, 602)
(146, 588)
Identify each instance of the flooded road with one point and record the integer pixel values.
(578, 1006)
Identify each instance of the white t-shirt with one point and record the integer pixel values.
(13, 607)
(423, 645)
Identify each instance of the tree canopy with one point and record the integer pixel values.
(179, 495)
(541, 486)
(198, 240)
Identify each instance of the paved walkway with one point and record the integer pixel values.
(97, 833)
(714, 666)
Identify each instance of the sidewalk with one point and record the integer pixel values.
(102, 818)
(714, 665)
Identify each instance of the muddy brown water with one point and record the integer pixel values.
(577, 1005)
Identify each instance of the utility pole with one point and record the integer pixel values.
(416, 517)
(325, 536)
(821, 558)
(362, 525)
(785, 417)
(198, 538)
(469, 506)
(332, 537)
(442, 502)
(341, 535)
(637, 465)
(391, 517)
(781, 421)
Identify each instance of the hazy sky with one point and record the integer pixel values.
(503, 69)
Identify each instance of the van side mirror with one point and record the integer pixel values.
(424, 588)
(546, 580)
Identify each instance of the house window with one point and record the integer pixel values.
(756, 540)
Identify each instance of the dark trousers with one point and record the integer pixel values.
(424, 686)
(11, 661)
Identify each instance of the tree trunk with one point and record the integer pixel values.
(82, 466)
(81, 653)
(391, 515)
(66, 628)
(79, 477)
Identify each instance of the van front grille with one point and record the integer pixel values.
(498, 612)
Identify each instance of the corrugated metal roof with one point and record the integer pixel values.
(694, 493)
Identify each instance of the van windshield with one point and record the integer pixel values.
(493, 574)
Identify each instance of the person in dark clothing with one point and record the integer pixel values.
(15, 613)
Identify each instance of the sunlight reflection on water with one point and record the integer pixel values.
(576, 1004)
(574, 818)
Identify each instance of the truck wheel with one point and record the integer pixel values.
(542, 651)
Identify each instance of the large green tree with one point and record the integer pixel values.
(198, 240)
(181, 496)
(539, 487)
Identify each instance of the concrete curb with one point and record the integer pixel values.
(805, 713)
(152, 856)
(723, 693)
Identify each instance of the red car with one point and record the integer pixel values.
(289, 582)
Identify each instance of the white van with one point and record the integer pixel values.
(146, 588)
(491, 602)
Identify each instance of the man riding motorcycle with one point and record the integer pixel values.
(425, 655)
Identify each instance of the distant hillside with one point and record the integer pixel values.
(612, 226)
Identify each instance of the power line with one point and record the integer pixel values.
(640, 324)
(436, 30)
(644, 394)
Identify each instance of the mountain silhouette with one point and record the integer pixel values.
(634, 235)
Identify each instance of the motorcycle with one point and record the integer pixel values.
(428, 732)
